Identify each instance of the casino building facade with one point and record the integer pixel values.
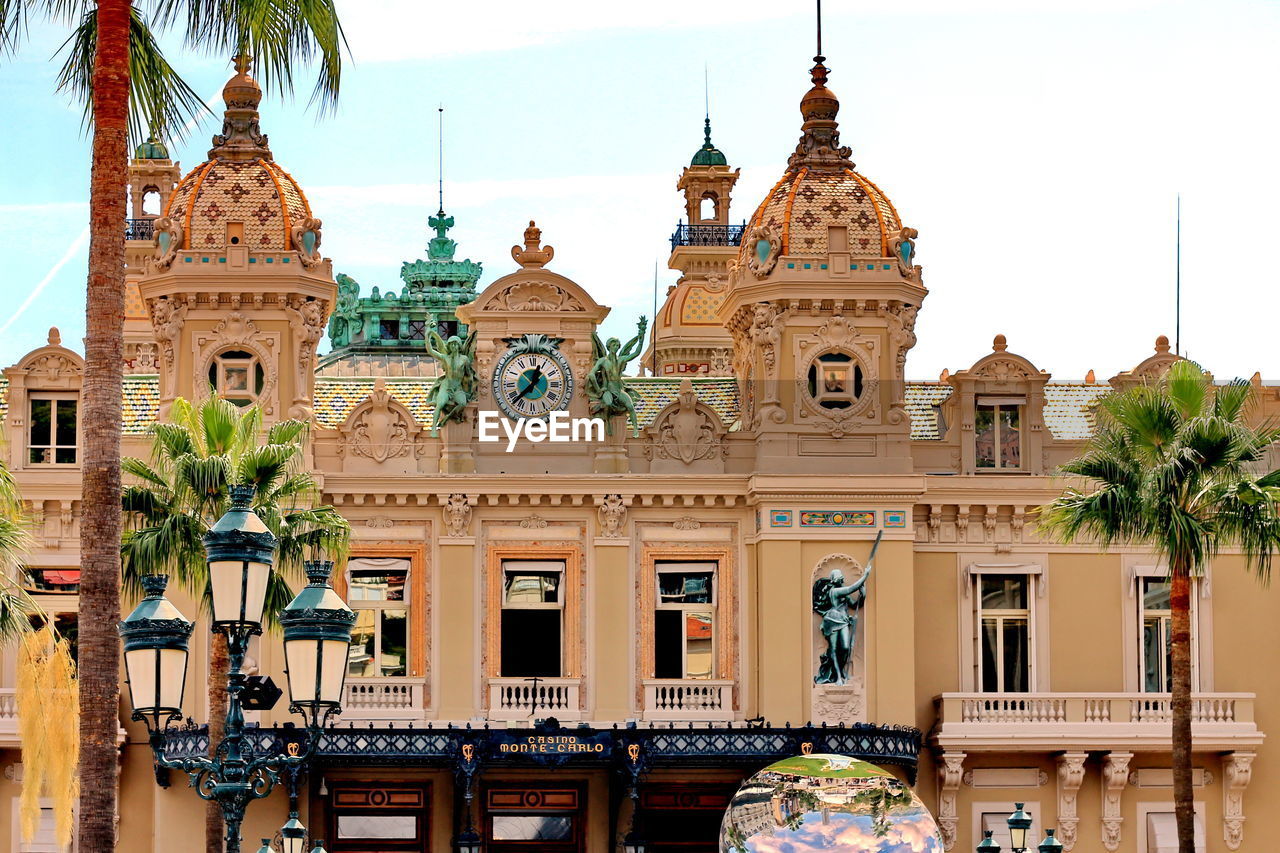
(568, 641)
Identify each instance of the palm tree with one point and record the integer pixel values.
(16, 607)
(185, 488)
(116, 69)
(1174, 467)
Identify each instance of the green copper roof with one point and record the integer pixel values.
(708, 154)
(152, 149)
(434, 288)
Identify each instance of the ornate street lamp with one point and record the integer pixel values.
(266, 846)
(239, 549)
(1050, 844)
(155, 656)
(468, 841)
(632, 843)
(1019, 825)
(319, 848)
(317, 640)
(317, 632)
(988, 844)
(293, 835)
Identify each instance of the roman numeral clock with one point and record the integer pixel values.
(532, 377)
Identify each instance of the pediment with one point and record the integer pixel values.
(534, 291)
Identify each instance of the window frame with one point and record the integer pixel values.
(417, 600)
(54, 397)
(1138, 569)
(379, 607)
(253, 394)
(970, 568)
(816, 389)
(1018, 404)
(685, 567)
(572, 653)
(982, 614)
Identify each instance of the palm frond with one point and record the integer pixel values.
(160, 101)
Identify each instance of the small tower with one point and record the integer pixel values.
(689, 338)
(152, 179)
(235, 286)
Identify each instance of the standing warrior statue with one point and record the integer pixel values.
(838, 606)
(456, 384)
(605, 390)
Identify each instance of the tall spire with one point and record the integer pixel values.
(708, 154)
(241, 138)
(819, 148)
(440, 149)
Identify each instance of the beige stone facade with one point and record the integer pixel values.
(665, 579)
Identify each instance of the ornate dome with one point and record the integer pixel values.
(239, 183)
(821, 189)
(152, 149)
(827, 803)
(708, 154)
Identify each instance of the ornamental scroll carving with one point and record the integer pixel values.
(307, 319)
(380, 428)
(1115, 774)
(1237, 770)
(687, 430)
(168, 240)
(305, 235)
(1070, 778)
(457, 515)
(613, 516)
(535, 296)
(950, 773)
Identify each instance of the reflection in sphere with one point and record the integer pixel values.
(827, 803)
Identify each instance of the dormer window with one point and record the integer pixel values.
(237, 376)
(835, 380)
(997, 433)
(51, 436)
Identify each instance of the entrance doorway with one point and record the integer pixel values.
(378, 818)
(533, 819)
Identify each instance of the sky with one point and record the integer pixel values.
(1038, 147)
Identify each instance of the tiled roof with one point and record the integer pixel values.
(336, 397)
(653, 394)
(804, 204)
(141, 403)
(922, 397)
(258, 194)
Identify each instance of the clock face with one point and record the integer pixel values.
(529, 385)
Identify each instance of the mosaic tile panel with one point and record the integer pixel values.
(838, 518)
(780, 518)
(140, 403)
(895, 518)
(336, 398)
(700, 307)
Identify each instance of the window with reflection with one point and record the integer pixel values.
(51, 433)
(378, 592)
(684, 621)
(1004, 633)
(237, 376)
(835, 380)
(532, 618)
(997, 435)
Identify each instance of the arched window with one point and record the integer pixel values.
(835, 380)
(237, 376)
(151, 201)
(707, 207)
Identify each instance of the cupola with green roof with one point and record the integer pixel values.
(708, 154)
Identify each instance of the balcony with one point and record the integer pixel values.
(1037, 722)
(707, 235)
(377, 699)
(520, 699)
(139, 229)
(695, 701)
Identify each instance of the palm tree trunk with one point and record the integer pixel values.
(1180, 642)
(100, 517)
(219, 664)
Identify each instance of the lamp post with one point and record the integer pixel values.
(317, 631)
(1050, 844)
(1019, 825)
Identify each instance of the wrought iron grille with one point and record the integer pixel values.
(707, 235)
(139, 229)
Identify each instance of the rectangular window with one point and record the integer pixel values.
(1004, 640)
(378, 592)
(1162, 832)
(532, 618)
(417, 330)
(51, 438)
(1155, 620)
(389, 330)
(997, 434)
(684, 621)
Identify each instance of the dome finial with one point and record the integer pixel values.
(819, 147)
(241, 138)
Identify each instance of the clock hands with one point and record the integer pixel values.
(533, 383)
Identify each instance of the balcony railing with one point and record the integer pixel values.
(698, 701)
(1021, 721)
(8, 718)
(513, 699)
(707, 235)
(139, 229)
(383, 699)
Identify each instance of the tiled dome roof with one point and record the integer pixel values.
(804, 203)
(239, 182)
(820, 189)
(257, 193)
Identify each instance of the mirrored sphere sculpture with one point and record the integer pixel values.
(827, 803)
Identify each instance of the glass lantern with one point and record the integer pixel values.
(988, 844)
(293, 835)
(317, 640)
(240, 551)
(155, 655)
(1019, 825)
(1050, 844)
